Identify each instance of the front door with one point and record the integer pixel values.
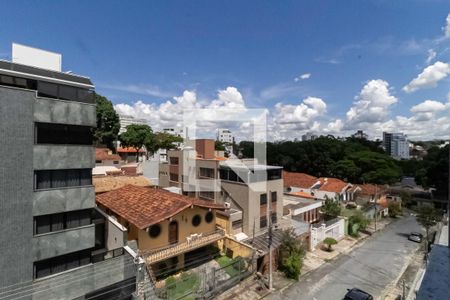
(173, 232)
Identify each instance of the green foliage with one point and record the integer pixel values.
(219, 146)
(292, 266)
(291, 255)
(186, 285)
(406, 198)
(356, 160)
(108, 124)
(434, 171)
(137, 136)
(329, 241)
(359, 220)
(394, 209)
(331, 208)
(164, 140)
(428, 216)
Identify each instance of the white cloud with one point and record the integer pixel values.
(428, 106)
(446, 28)
(140, 89)
(302, 77)
(429, 77)
(371, 104)
(431, 55)
(305, 112)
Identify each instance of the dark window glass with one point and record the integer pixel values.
(46, 89)
(61, 263)
(209, 217)
(7, 80)
(46, 179)
(47, 133)
(57, 222)
(85, 177)
(207, 172)
(43, 180)
(154, 231)
(232, 176)
(263, 221)
(86, 96)
(42, 224)
(263, 199)
(67, 92)
(174, 160)
(18, 82)
(274, 174)
(61, 221)
(274, 196)
(59, 178)
(173, 177)
(196, 220)
(73, 178)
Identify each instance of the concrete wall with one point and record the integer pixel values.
(185, 229)
(53, 157)
(64, 112)
(16, 185)
(62, 242)
(238, 248)
(61, 200)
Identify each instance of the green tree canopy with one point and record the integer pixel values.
(329, 241)
(136, 136)
(331, 208)
(394, 209)
(164, 140)
(291, 256)
(108, 124)
(219, 146)
(428, 217)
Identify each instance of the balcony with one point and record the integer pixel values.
(193, 242)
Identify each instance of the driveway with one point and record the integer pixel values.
(372, 267)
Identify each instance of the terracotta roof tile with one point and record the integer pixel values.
(303, 195)
(300, 180)
(104, 154)
(145, 206)
(371, 189)
(128, 150)
(108, 183)
(332, 184)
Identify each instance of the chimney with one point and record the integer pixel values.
(205, 148)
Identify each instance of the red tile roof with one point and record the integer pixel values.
(128, 150)
(371, 189)
(300, 180)
(332, 184)
(105, 154)
(145, 206)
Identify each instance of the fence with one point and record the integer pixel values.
(205, 283)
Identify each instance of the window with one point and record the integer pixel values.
(62, 221)
(173, 177)
(154, 231)
(51, 179)
(64, 92)
(262, 221)
(67, 92)
(274, 196)
(209, 217)
(207, 195)
(174, 160)
(46, 89)
(274, 174)
(18, 82)
(196, 220)
(61, 263)
(47, 133)
(262, 199)
(207, 172)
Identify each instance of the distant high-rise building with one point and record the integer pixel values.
(176, 131)
(225, 136)
(360, 135)
(396, 145)
(309, 136)
(128, 120)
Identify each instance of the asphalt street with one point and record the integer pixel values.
(371, 267)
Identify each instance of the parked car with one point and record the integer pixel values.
(357, 294)
(415, 237)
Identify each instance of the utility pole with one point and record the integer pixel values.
(376, 190)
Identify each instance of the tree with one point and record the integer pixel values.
(108, 124)
(357, 222)
(329, 241)
(291, 256)
(136, 137)
(219, 146)
(428, 217)
(331, 208)
(164, 140)
(394, 209)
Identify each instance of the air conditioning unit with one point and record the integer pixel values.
(227, 205)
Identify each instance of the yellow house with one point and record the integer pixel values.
(172, 231)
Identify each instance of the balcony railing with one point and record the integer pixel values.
(191, 243)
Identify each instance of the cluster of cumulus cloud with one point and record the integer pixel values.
(371, 111)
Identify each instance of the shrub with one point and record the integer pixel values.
(292, 266)
(394, 209)
(329, 241)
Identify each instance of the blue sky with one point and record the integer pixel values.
(154, 51)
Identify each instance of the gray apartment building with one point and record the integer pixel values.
(53, 239)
